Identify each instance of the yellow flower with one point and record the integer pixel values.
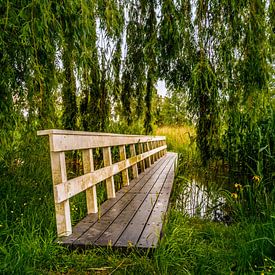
(234, 195)
(256, 178)
(238, 186)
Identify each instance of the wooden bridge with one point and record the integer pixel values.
(131, 216)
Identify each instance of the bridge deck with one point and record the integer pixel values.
(135, 217)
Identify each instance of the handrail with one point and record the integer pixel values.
(150, 148)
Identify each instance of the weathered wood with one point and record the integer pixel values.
(71, 141)
(88, 166)
(110, 184)
(134, 166)
(129, 236)
(134, 186)
(62, 210)
(135, 217)
(142, 162)
(125, 175)
(112, 233)
(150, 148)
(74, 186)
(152, 230)
(148, 160)
(91, 235)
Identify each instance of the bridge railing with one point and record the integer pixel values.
(149, 148)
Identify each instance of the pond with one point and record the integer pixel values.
(202, 196)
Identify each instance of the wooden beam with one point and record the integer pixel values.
(74, 186)
(125, 175)
(62, 209)
(88, 166)
(110, 184)
(134, 166)
(147, 144)
(63, 142)
(142, 163)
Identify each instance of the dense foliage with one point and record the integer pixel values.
(85, 64)
(93, 65)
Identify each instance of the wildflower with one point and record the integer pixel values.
(234, 195)
(25, 204)
(11, 211)
(256, 179)
(1, 225)
(238, 186)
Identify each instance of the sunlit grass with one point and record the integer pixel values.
(178, 138)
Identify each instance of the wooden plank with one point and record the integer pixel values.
(91, 219)
(88, 166)
(158, 186)
(85, 133)
(125, 175)
(149, 179)
(151, 233)
(60, 143)
(62, 210)
(132, 232)
(74, 186)
(110, 184)
(132, 218)
(93, 233)
(112, 233)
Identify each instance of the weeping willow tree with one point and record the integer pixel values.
(73, 64)
(140, 70)
(219, 53)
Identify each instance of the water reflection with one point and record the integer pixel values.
(202, 200)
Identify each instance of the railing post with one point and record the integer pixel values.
(110, 185)
(133, 154)
(154, 146)
(125, 175)
(151, 148)
(149, 158)
(88, 166)
(165, 150)
(162, 151)
(158, 145)
(142, 163)
(62, 210)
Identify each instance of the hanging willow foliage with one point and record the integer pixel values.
(73, 63)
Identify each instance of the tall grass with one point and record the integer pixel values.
(189, 245)
(178, 138)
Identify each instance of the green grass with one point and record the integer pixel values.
(189, 245)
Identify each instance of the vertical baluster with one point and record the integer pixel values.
(110, 185)
(151, 148)
(162, 144)
(62, 210)
(149, 158)
(125, 175)
(133, 154)
(142, 164)
(88, 166)
(155, 155)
